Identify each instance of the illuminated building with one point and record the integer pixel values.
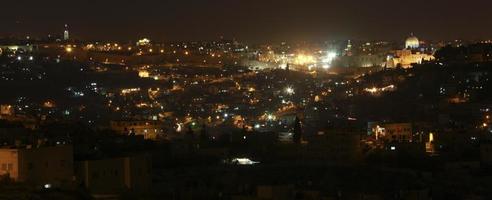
(303, 59)
(7, 48)
(143, 74)
(129, 91)
(429, 146)
(412, 42)
(328, 59)
(43, 166)
(405, 58)
(378, 91)
(396, 132)
(143, 42)
(348, 49)
(410, 55)
(243, 161)
(150, 130)
(6, 110)
(66, 35)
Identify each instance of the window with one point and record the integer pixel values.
(10, 166)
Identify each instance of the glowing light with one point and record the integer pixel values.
(143, 42)
(383, 89)
(302, 59)
(129, 90)
(330, 56)
(371, 90)
(68, 49)
(49, 104)
(244, 161)
(282, 66)
(429, 146)
(328, 59)
(180, 128)
(289, 90)
(143, 74)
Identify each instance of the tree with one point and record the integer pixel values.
(297, 138)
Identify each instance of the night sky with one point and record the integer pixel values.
(249, 20)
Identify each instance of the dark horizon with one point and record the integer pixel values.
(251, 21)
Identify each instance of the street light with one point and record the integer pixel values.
(289, 90)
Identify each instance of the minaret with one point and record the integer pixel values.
(348, 49)
(66, 35)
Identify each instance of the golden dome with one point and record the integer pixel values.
(412, 42)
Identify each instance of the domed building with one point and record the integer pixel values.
(412, 42)
(409, 56)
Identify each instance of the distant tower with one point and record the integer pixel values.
(348, 49)
(66, 35)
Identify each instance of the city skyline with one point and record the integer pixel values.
(252, 21)
(246, 99)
